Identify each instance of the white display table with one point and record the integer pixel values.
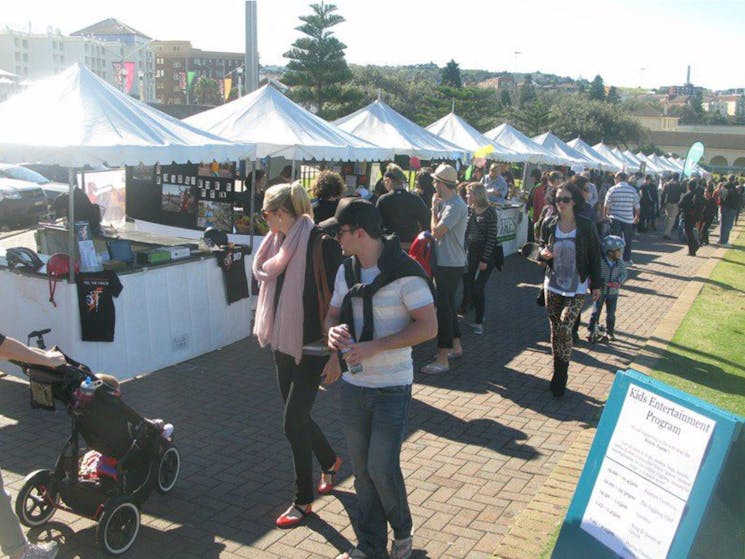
(164, 315)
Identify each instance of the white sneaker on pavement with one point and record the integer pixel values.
(46, 550)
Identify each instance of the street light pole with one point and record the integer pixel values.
(239, 73)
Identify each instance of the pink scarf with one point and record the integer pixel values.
(282, 327)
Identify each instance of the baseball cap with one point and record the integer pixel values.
(354, 212)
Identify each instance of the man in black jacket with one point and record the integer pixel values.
(690, 212)
(402, 212)
(671, 193)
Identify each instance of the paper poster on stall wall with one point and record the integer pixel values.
(646, 476)
(106, 188)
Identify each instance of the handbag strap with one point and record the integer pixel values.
(323, 292)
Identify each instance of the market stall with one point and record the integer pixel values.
(167, 310)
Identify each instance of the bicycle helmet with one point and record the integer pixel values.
(214, 237)
(612, 242)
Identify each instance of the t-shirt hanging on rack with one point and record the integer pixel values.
(95, 300)
(230, 259)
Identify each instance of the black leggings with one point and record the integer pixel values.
(446, 282)
(474, 284)
(298, 385)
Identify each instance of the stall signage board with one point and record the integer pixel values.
(650, 473)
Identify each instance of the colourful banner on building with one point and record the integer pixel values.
(129, 67)
(190, 78)
(228, 84)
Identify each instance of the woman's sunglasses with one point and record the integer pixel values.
(564, 199)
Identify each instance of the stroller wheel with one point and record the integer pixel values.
(168, 469)
(37, 500)
(118, 526)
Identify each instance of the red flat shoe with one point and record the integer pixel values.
(290, 517)
(327, 478)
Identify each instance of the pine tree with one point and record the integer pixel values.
(504, 98)
(317, 67)
(597, 89)
(527, 91)
(451, 75)
(613, 96)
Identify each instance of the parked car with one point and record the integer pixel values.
(51, 189)
(21, 202)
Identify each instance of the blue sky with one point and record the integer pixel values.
(629, 42)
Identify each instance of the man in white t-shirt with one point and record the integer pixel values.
(390, 312)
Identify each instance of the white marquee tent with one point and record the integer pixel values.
(75, 118)
(282, 128)
(652, 167)
(509, 136)
(454, 129)
(585, 149)
(558, 147)
(632, 165)
(379, 124)
(606, 152)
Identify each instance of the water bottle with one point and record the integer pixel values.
(353, 369)
(87, 391)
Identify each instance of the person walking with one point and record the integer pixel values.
(295, 263)
(613, 272)
(729, 203)
(622, 208)
(402, 212)
(571, 254)
(690, 214)
(672, 191)
(481, 244)
(708, 214)
(648, 205)
(449, 221)
(382, 306)
(13, 542)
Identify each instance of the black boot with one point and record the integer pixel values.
(559, 378)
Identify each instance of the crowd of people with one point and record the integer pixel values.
(340, 298)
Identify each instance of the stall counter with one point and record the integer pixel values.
(164, 315)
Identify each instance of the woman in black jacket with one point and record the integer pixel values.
(571, 254)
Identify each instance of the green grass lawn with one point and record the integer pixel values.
(706, 357)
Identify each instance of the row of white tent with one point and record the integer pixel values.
(75, 118)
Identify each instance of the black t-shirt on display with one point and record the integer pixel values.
(230, 259)
(96, 291)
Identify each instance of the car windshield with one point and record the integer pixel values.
(23, 174)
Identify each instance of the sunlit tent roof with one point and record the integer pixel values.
(282, 128)
(608, 154)
(652, 167)
(628, 155)
(558, 147)
(454, 129)
(75, 118)
(381, 125)
(509, 136)
(632, 165)
(585, 149)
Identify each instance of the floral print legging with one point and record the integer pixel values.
(562, 313)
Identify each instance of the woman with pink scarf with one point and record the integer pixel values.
(288, 316)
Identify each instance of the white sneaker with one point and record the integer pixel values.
(478, 329)
(353, 553)
(727, 245)
(402, 549)
(46, 550)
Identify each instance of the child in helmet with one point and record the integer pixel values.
(614, 272)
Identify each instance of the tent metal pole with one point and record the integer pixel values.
(292, 176)
(71, 222)
(252, 203)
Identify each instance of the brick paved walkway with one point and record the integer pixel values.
(482, 439)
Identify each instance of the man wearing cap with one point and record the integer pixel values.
(402, 212)
(382, 300)
(449, 220)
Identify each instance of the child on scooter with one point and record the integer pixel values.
(614, 272)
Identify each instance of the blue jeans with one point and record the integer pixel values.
(625, 230)
(611, 301)
(728, 220)
(375, 421)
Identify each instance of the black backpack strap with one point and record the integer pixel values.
(350, 274)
